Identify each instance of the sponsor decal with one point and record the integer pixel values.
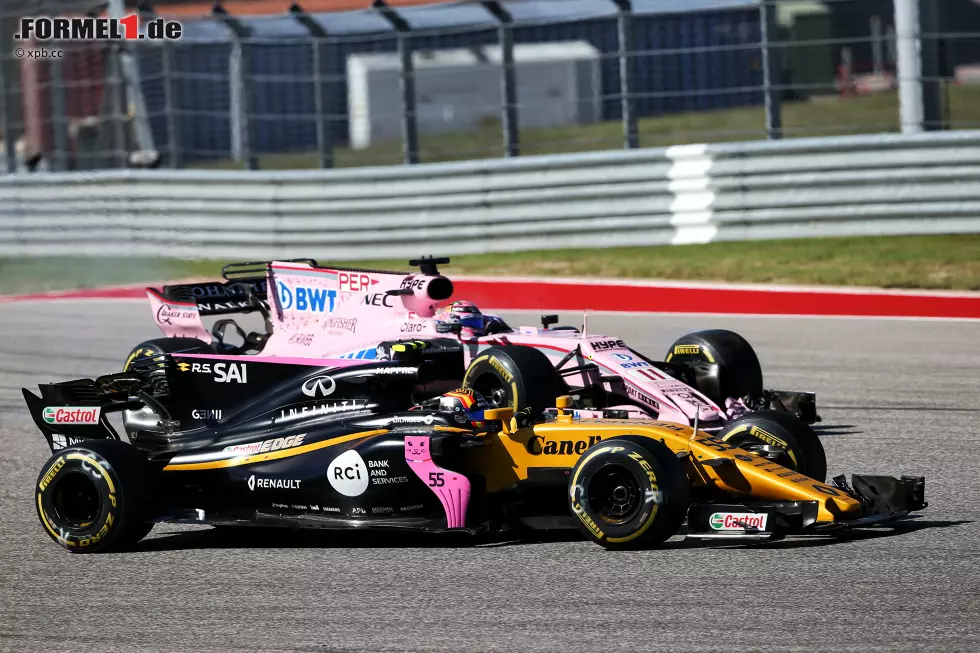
(357, 511)
(348, 474)
(313, 507)
(378, 470)
(689, 350)
(330, 509)
(692, 399)
(634, 364)
(497, 365)
(344, 323)
(355, 281)
(378, 299)
(301, 339)
(315, 410)
(605, 345)
(266, 445)
(223, 306)
(221, 290)
(71, 415)
(306, 299)
(413, 419)
(279, 505)
(417, 506)
(397, 370)
(272, 483)
(166, 315)
(321, 386)
(223, 372)
(59, 441)
(623, 357)
(90, 28)
(633, 393)
(412, 327)
(362, 354)
(206, 414)
(413, 284)
(539, 444)
(381, 510)
(738, 521)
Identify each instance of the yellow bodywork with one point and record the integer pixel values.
(511, 452)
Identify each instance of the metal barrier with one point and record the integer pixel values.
(888, 184)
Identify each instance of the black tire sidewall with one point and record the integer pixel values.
(664, 486)
(740, 370)
(531, 377)
(159, 346)
(119, 478)
(798, 436)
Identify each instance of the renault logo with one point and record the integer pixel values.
(251, 482)
(322, 386)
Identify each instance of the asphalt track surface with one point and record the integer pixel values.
(897, 397)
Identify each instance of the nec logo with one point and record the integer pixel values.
(378, 299)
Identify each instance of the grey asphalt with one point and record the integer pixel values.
(897, 397)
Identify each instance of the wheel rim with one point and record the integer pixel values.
(492, 389)
(775, 454)
(76, 500)
(614, 494)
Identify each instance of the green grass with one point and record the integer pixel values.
(820, 116)
(942, 262)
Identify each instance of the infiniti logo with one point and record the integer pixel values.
(285, 296)
(322, 386)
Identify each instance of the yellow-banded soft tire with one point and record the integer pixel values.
(784, 438)
(517, 377)
(739, 371)
(629, 492)
(92, 497)
(143, 353)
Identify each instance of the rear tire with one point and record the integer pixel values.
(739, 373)
(517, 377)
(803, 450)
(145, 351)
(92, 497)
(629, 493)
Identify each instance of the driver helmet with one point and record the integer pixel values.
(465, 314)
(465, 404)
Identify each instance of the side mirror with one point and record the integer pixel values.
(548, 320)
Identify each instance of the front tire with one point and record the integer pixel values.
(518, 377)
(92, 497)
(629, 493)
(791, 441)
(739, 370)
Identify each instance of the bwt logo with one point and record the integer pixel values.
(307, 300)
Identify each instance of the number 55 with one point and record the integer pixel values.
(435, 479)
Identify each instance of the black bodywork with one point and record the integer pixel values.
(252, 446)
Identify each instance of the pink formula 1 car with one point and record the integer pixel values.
(709, 378)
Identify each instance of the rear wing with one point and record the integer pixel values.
(72, 411)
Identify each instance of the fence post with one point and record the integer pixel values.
(909, 65)
(118, 102)
(129, 69)
(324, 131)
(243, 81)
(771, 71)
(170, 104)
(624, 24)
(931, 68)
(410, 126)
(59, 116)
(9, 146)
(508, 80)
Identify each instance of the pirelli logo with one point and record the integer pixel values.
(680, 350)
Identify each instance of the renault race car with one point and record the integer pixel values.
(318, 312)
(336, 444)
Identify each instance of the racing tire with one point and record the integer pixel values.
(92, 497)
(739, 373)
(158, 346)
(803, 450)
(629, 493)
(518, 377)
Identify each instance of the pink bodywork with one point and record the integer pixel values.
(452, 488)
(328, 314)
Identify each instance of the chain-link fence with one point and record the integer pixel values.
(472, 80)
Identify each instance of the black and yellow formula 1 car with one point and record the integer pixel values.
(337, 444)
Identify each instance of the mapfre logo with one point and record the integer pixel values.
(348, 474)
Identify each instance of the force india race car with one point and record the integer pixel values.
(317, 312)
(339, 444)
